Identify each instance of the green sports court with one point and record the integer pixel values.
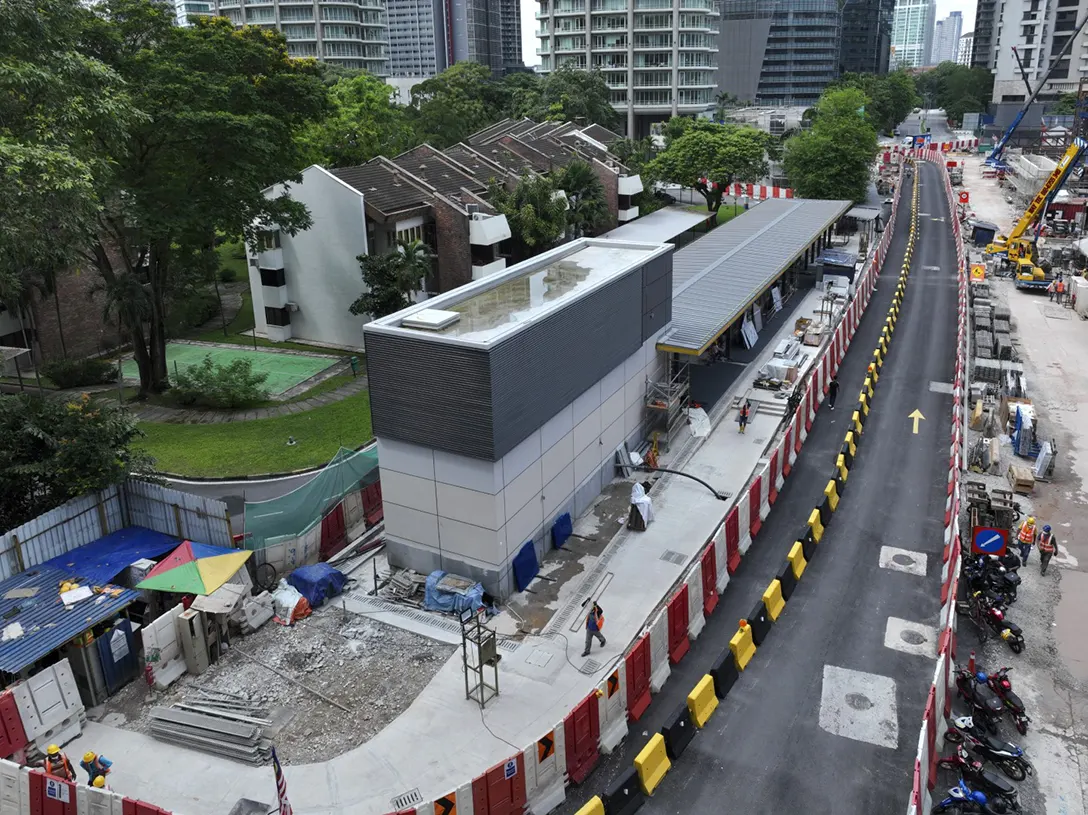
(284, 370)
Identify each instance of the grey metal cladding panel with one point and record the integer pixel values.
(713, 284)
(657, 268)
(657, 292)
(430, 393)
(541, 370)
(655, 319)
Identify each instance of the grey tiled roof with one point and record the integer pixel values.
(717, 277)
(378, 181)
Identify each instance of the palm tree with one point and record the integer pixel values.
(415, 264)
(585, 196)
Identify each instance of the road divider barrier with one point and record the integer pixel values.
(612, 708)
(941, 691)
(624, 795)
(759, 623)
(652, 763)
(678, 732)
(773, 600)
(743, 645)
(693, 584)
(702, 701)
(725, 673)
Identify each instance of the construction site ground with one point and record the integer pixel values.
(372, 669)
(1052, 673)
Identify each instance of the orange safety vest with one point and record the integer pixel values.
(1046, 542)
(1027, 533)
(59, 767)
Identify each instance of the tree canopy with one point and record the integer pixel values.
(391, 279)
(55, 451)
(709, 157)
(891, 96)
(455, 104)
(219, 112)
(536, 212)
(564, 95)
(833, 159)
(957, 89)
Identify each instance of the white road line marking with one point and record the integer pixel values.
(931, 268)
(941, 387)
(859, 706)
(911, 638)
(903, 560)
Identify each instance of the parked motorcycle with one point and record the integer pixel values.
(962, 799)
(973, 770)
(1009, 758)
(1000, 684)
(988, 614)
(986, 705)
(993, 573)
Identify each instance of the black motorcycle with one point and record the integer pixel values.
(1008, 758)
(1000, 684)
(973, 771)
(986, 705)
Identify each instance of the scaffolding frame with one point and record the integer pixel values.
(479, 651)
(667, 401)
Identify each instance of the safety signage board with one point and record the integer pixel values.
(987, 540)
(57, 790)
(965, 197)
(510, 769)
(978, 271)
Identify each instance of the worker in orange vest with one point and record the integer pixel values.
(1026, 538)
(57, 764)
(1048, 545)
(594, 625)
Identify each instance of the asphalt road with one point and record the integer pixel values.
(826, 717)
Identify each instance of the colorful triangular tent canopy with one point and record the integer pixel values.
(195, 568)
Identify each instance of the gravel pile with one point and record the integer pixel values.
(374, 670)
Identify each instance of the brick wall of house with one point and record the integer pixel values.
(610, 180)
(86, 332)
(454, 252)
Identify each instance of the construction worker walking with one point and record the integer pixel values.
(1026, 538)
(832, 391)
(1048, 545)
(95, 765)
(744, 415)
(594, 625)
(57, 764)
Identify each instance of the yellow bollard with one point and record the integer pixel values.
(743, 645)
(856, 419)
(815, 525)
(796, 557)
(831, 493)
(849, 439)
(594, 806)
(652, 763)
(773, 600)
(840, 463)
(702, 701)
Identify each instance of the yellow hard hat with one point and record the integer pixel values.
(99, 781)
(1031, 520)
(89, 756)
(52, 750)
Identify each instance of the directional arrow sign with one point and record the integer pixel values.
(918, 417)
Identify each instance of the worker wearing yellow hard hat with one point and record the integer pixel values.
(95, 765)
(57, 764)
(1026, 538)
(100, 783)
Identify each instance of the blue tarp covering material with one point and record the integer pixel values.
(317, 582)
(525, 566)
(437, 598)
(562, 530)
(46, 623)
(102, 560)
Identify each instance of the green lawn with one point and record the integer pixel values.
(727, 212)
(232, 256)
(247, 448)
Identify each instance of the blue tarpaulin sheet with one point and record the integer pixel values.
(525, 566)
(317, 582)
(437, 598)
(102, 560)
(562, 530)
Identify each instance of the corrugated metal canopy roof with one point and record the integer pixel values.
(718, 276)
(46, 623)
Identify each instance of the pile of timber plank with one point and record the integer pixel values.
(215, 724)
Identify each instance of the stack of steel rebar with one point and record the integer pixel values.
(225, 724)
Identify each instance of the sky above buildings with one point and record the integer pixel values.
(529, 24)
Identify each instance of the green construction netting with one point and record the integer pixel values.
(293, 514)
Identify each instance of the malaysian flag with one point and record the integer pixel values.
(281, 785)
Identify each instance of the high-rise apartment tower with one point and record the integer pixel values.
(946, 39)
(912, 33)
(866, 38)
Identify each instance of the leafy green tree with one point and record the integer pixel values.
(1066, 105)
(637, 155)
(59, 109)
(220, 109)
(521, 94)
(891, 97)
(450, 107)
(833, 158)
(365, 123)
(391, 279)
(709, 157)
(957, 89)
(579, 96)
(536, 212)
(587, 211)
(54, 452)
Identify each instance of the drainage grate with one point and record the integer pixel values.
(590, 666)
(373, 604)
(760, 441)
(674, 557)
(408, 799)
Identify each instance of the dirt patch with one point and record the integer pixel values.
(373, 669)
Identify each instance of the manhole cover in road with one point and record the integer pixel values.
(911, 637)
(903, 560)
(858, 701)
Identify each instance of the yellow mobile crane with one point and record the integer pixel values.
(1019, 245)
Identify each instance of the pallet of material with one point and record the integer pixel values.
(1021, 479)
(240, 741)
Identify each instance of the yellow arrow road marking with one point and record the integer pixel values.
(918, 417)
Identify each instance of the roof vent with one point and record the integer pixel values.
(431, 319)
(473, 209)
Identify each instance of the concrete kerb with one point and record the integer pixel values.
(931, 735)
(647, 763)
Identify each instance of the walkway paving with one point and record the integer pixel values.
(542, 678)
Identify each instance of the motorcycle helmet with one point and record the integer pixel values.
(981, 678)
(964, 722)
(1047, 529)
(998, 806)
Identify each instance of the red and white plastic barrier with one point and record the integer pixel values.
(758, 192)
(24, 791)
(941, 692)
